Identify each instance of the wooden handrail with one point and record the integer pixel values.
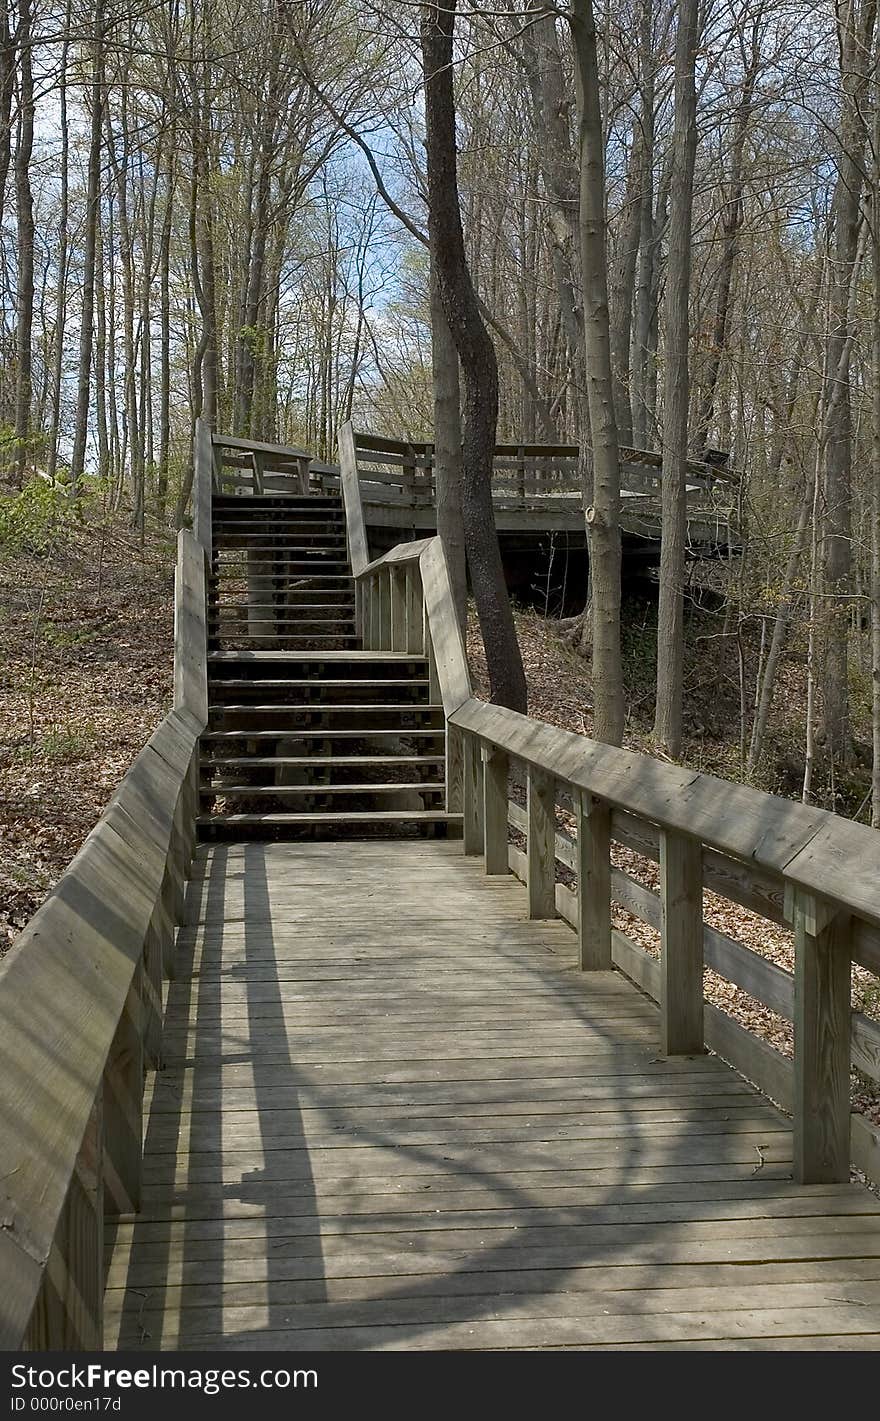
(786, 861)
(81, 1019)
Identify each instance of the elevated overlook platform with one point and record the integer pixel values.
(536, 494)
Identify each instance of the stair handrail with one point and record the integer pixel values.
(81, 994)
(349, 482)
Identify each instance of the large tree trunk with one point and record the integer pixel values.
(447, 450)
(603, 519)
(855, 33)
(676, 389)
(478, 363)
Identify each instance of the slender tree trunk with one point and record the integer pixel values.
(93, 213)
(622, 284)
(603, 518)
(61, 260)
(478, 363)
(24, 205)
(647, 242)
(676, 390)
(447, 450)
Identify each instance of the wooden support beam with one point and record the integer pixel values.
(681, 894)
(473, 796)
(822, 965)
(496, 764)
(383, 629)
(594, 882)
(541, 850)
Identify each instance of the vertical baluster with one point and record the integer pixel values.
(681, 986)
(594, 883)
(823, 955)
(495, 770)
(541, 848)
(473, 795)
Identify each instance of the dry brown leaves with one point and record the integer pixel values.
(86, 675)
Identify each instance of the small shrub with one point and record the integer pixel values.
(30, 520)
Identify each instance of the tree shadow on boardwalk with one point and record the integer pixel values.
(265, 1282)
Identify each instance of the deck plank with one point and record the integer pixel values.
(399, 1117)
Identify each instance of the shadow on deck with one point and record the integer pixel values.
(394, 1114)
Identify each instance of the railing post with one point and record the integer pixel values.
(415, 624)
(681, 980)
(454, 769)
(594, 883)
(821, 1038)
(473, 796)
(541, 848)
(398, 609)
(496, 764)
(383, 578)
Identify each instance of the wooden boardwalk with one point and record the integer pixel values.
(393, 1114)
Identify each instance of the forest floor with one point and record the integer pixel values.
(86, 629)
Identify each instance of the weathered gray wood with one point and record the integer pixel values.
(681, 958)
(594, 883)
(541, 844)
(454, 769)
(821, 1039)
(495, 774)
(443, 627)
(190, 628)
(473, 796)
(358, 553)
(123, 1091)
(203, 478)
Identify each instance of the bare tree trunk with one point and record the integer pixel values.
(478, 363)
(61, 259)
(603, 518)
(447, 450)
(647, 236)
(670, 615)
(93, 215)
(24, 205)
(855, 29)
(622, 283)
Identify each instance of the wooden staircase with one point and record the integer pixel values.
(308, 735)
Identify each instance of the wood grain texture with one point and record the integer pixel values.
(594, 883)
(358, 553)
(496, 767)
(541, 844)
(821, 1040)
(681, 948)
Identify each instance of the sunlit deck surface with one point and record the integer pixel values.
(394, 1114)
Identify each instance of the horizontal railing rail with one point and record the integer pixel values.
(81, 1009)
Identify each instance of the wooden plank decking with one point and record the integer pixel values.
(394, 1115)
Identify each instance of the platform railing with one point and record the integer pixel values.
(401, 472)
(81, 1011)
(551, 806)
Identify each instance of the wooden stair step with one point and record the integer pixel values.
(218, 791)
(324, 761)
(274, 708)
(316, 683)
(355, 657)
(310, 733)
(355, 816)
